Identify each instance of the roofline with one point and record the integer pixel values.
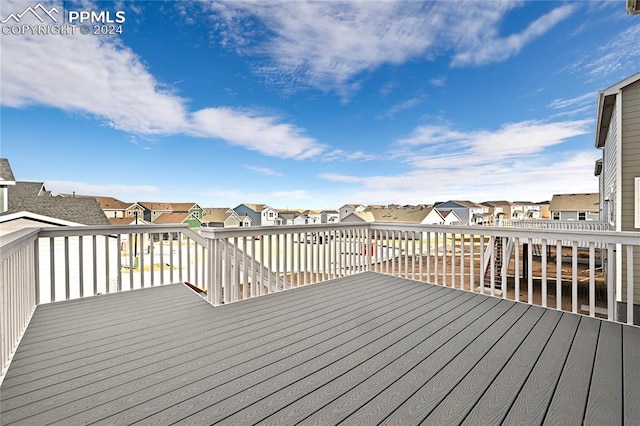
(39, 217)
(606, 100)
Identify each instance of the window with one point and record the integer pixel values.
(556, 215)
(270, 214)
(582, 216)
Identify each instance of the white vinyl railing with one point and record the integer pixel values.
(17, 289)
(583, 225)
(580, 271)
(41, 265)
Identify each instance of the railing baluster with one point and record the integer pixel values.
(559, 275)
(592, 280)
(492, 261)
(481, 272)
(80, 267)
(611, 283)
(171, 257)
(131, 244)
(153, 259)
(420, 251)
(630, 284)
(462, 244)
(543, 264)
(516, 262)
(444, 259)
(436, 258)
(67, 283)
(106, 261)
(94, 255)
(574, 277)
(162, 260)
(472, 261)
(453, 260)
(530, 271)
(52, 268)
(180, 266)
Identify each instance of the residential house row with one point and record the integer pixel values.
(30, 204)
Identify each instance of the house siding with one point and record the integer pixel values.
(630, 147)
(609, 167)
(243, 210)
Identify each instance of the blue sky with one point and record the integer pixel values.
(316, 104)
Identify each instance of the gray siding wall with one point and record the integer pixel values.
(243, 210)
(609, 168)
(630, 170)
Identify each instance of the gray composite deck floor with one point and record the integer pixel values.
(366, 349)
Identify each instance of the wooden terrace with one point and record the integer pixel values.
(364, 349)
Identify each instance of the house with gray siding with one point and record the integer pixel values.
(348, 209)
(330, 216)
(617, 134)
(223, 217)
(469, 212)
(260, 214)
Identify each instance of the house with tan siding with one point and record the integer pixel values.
(617, 134)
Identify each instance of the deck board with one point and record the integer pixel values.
(364, 349)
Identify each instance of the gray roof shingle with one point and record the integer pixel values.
(5, 170)
(27, 196)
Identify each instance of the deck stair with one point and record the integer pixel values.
(264, 276)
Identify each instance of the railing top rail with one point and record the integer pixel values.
(281, 229)
(554, 221)
(607, 237)
(64, 231)
(12, 242)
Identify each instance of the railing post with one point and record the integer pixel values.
(36, 267)
(369, 247)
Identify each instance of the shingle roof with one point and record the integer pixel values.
(216, 214)
(24, 197)
(27, 189)
(575, 202)
(172, 218)
(110, 203)
(156, 206)
(498, 204)
(5, 170)
(178, 207)
(106, 203)
(395, 213)
(256, 207)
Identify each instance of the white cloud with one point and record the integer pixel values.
(262, 134)
(619, 56)
(441, 146)
(101, 77)
(578, 101)
(111, 189)
(439, 81)
(263, 170)
(484, 47)
(402, 106)
(327, 45)
(337, 177)
(233, 196)
(517, 161)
